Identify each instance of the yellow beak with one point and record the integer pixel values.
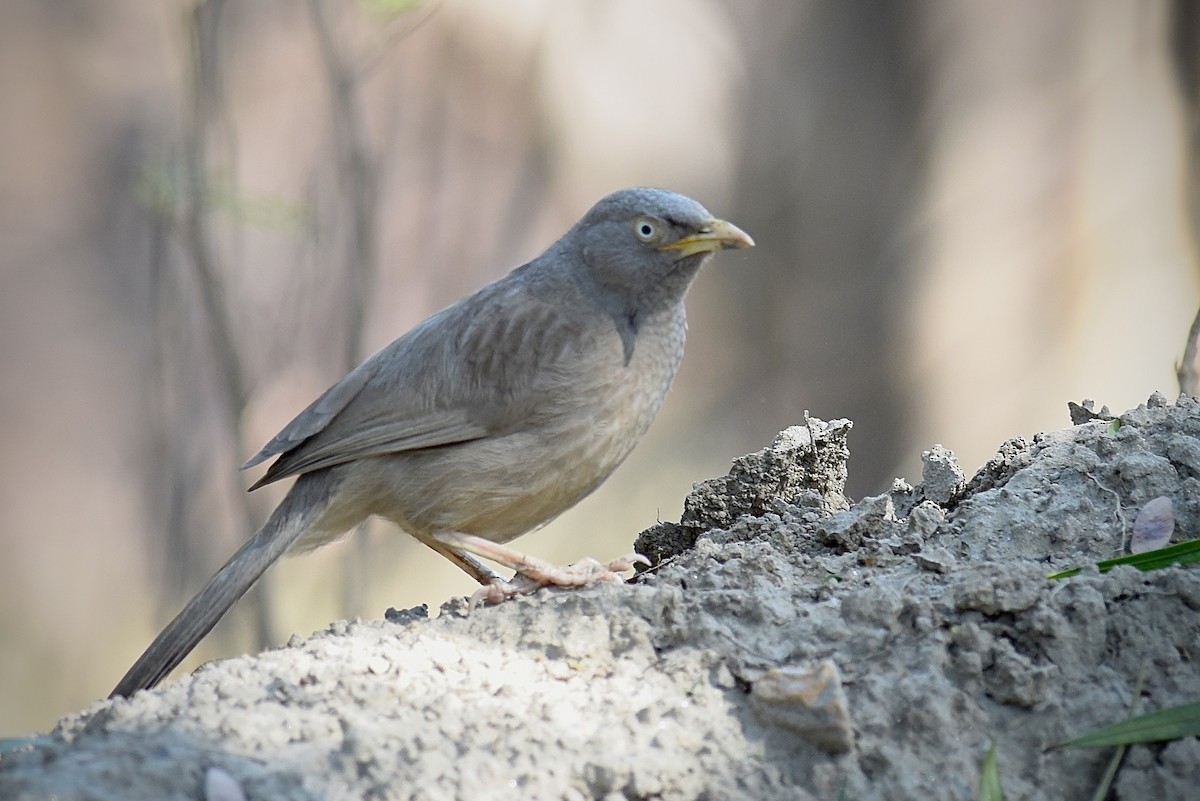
(710, 237)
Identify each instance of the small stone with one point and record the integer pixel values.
(867, 519)
(935, 558)
(219, 785)
(925, 518)
(942, 480)
(807, 701)
(406, 616)
(1083, 413)
(1184, 451)
(723, 678)
(1013, 590)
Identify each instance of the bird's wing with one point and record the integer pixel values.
(316, 416)
(389, 436)
(469, 372)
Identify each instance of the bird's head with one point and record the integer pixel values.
(642, 247)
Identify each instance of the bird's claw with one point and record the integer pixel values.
(626, 562)
(501, 590)
(530, 578)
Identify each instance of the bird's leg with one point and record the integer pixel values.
(468, 563)
(532, 573)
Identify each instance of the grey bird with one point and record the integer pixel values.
(490, 418)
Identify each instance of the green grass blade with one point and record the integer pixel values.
(1114, 763)
(989, 778)
(1181, 553)
(1110, 773)
(1165, 724)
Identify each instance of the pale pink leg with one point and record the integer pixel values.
(533, 573)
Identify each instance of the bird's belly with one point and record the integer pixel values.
(504, 486)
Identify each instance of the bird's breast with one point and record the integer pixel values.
(587, 417)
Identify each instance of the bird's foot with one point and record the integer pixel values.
(529, 579)
(583, 573)
(501, 590)
(626, 562)
(533, 573)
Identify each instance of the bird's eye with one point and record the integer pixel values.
(645, 229)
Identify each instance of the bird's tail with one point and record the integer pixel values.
(304, 503)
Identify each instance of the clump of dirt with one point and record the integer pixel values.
(786, 644)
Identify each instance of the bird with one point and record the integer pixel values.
(488, 419)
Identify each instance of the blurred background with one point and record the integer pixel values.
(967, 214)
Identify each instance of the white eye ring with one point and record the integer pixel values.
(646, 229)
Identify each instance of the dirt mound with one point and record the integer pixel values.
(788, 645)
